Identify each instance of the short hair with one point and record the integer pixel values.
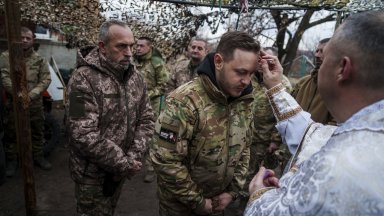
(231, 41)
(199, 39)
(273, 49)
(361, 37)
(104, 29)
(325, 40)
(148, 39)
(24, 29)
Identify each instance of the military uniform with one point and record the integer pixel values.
(264, 133)
(156, 76)
(182, 72)
(38, 79)
(307, 95)
(110, 122)
(201, 144)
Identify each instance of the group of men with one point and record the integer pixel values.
(208, 123)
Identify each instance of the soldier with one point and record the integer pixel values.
(110, 120)
(38, 78)
(185, 69)
(307, 94)
(266, 148)
(201, 144)
(152, 67)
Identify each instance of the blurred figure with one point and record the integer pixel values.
(306, 90)
(150, 65)
(38, 78)
(185, 69)
(110, 120)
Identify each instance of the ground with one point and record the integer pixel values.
(55, 192)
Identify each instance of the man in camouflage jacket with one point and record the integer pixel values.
(155, 73)
(201, 144)
(184, 69)
(110, 120)
(38, 78)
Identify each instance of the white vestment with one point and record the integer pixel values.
(340, 169)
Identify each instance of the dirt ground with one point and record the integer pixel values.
(55, 191)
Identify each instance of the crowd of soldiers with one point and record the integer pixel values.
(202, 124)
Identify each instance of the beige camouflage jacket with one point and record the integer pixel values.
(110, 120)
(201, 143)
(182, 72)
(38, 76)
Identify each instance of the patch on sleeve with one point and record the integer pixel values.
(76, 105)
(168, 135)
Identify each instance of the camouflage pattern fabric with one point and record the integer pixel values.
(110, 119)
(182, 72)
(38, 76)
(91, 201)
(156, 76)
(201, 146)
(37, 133)
(38, 79)
(264, 130)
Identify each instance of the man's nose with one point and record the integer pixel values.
(246, 80)
(128, 51)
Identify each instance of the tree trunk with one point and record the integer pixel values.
(20, 102)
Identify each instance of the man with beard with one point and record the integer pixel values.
(110, 120)
(342, 174)
(184, 69)
(307, 94)
(38, 78)
(201, 144)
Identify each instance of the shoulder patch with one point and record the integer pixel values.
(168, 135)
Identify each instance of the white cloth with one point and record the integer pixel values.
(342, 175)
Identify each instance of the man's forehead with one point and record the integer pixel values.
(198, 43)
(27, 34)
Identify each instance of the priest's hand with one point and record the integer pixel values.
(271, 70)
(264, 178)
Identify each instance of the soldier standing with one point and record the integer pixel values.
(307, 94)
(185, 69)
(201, 145)
(151, 66)
(38, 78)
(110, 120)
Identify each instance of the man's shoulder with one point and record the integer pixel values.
(188, 92)
(157, 61)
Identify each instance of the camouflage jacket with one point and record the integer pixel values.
(155, 74)
(201, 142)
(110, 119)
(264, 121)
(182, 72)
(38, 76)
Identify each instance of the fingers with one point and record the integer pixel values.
(136, 165)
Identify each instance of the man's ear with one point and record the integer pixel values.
(219, 62)
(345, 70)
(102, 47)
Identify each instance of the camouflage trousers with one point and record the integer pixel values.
(172, 207)
(37, 133)
(157, 105)
(92, 202)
